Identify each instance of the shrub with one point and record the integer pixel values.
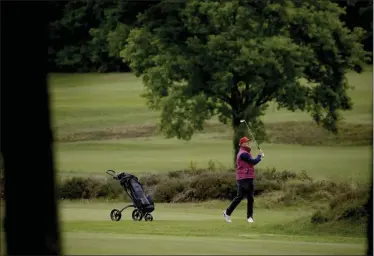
(348, 206)
(275, 188)
(167, 190)
(263, 186)
(319, 217)
(88, 188)
(151, 179)
(272, 174)
(210, 186)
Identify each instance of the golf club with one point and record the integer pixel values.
(243, 121)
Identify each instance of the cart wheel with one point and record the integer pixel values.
(148, 217)
(137, 215)
(115, 215)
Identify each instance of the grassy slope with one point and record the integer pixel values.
(107, 111)
(129, 155)
(85, 102)
(362, 97)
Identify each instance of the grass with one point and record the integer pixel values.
(84, 102)
(155, 155)
(101, 122)
(96, 101)
(200, 229)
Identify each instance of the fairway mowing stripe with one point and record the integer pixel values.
(268, 236)
(88, 235)
(292, 237)
(75, 214)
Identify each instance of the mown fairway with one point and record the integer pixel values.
(200, 229)
(155, 154)
(101, 122)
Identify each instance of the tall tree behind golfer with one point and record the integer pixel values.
(245, 175)
(228, 60)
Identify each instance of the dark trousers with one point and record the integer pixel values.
(245, 188)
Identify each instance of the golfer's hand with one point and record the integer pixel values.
(262, 154)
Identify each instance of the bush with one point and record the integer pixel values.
(274, 188)
(201, 185)
(272, 174)
(167, 190)
(348, 206)
(319, 217)
(312, 191)
(88, 188)
(210, 186)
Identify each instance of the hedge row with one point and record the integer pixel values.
(343, 201)
(207, 184)
(179, 186)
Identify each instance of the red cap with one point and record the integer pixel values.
(242, 140)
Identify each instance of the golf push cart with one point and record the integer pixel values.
(142, 203)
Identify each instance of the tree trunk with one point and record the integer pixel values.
(239, 131)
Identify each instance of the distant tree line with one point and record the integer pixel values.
(88, 35)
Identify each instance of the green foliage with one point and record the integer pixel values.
(88, 35)
(72, 46)
(117, 39)
(88, 188)
(200, 59)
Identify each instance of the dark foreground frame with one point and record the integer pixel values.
(26, 136)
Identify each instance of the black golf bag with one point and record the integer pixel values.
(142, 203)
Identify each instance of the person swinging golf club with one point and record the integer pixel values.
(245, 175)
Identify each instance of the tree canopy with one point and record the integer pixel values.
(201, 59)
(88, 35)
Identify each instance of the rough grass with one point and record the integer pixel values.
(302, 133)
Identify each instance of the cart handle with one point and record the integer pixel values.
(111, 173)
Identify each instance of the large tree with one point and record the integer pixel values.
(87, 35)
(200, 59)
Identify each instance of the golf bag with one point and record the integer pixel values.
(142, 203)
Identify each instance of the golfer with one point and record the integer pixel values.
(245, 175)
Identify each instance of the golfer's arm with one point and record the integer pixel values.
(245, 157)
